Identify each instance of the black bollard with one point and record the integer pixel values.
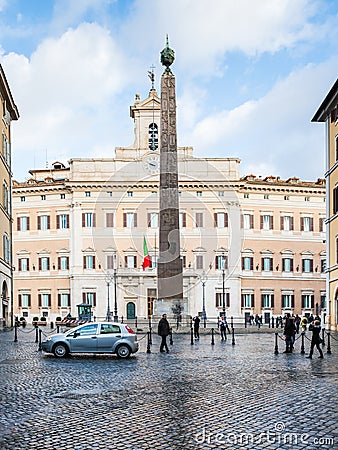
(273, 322)
(150, 337)
(245, 322)
(212, 337)
(40, 340)
(52, 325)
(36, 333)
(302, 349)
(191, 336)
(148, 343)
(171, 336)
(122, 319)
(323, 337)
(15, 331)
(269, 323)
(58, 328)
(149, 323)
(136, 322)
(328, 351)
(233, 336)
(276, 343)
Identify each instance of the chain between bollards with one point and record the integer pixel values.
(302, 349)
(328, 351)
(212, 337)
(276, 343)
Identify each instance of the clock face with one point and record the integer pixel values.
(152, 164)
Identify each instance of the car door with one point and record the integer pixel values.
(84, 339)
(108, 337)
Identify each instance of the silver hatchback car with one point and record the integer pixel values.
(93, 337)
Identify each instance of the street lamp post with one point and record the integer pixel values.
(223, 282)
(116, 317)
(203, 279)
(108, 314)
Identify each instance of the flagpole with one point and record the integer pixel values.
(155, 252)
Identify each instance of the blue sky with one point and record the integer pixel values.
(250, 74)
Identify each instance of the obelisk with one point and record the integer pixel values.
(169, 269)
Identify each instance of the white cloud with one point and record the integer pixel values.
(276, 130)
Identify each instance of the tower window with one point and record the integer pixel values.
(153, 136)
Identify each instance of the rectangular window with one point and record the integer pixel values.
(88, 220)
(287, 301)
(62, 221)
(110, 262)
(247, 301)
(199, 261)
(323, 265)
(267, 264)
(199, 216)
(89, 262)
(183, 220)
(129, 220)
(44, 300)
(267, 300)
(248, 221)
(199, 194)
(266, 222)
(307, 301)
(307, 265)
(287, 265)
(43, 197)
(109, 220)
(64, 300)
(287, 223)
(306, 224)
(154, 261)
(63, 262)
(221, 220)
(184, 261)
(43, 222)
(130, 193)
(221, 299)
(23, 264)
(130, 261)
(89, 297)
(87, 194)
(62, 196)
(44, 263)
(247, 263)
(152, 219)
(322, 224)
(221, 262)
(23, 223)
(25, 300)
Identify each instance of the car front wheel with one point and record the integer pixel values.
(60, 350)
(123, 351)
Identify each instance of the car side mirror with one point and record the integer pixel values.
(76, 333)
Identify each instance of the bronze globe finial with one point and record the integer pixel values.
(167, 56)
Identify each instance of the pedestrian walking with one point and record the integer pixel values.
(197, 321)
(164, 331)
(289, 333)
(223, 326)
(316, 339)
(303, 324)
(297, 323)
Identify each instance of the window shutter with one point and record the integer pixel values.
(67, 220)
(48, 263)
(59, 300)
(20, 300)
(20, 264)
(271, 222)
(261, 223)
(242, 300)
(67, 263)
(125, 261)
(215, 220)
(303, 301)
(251, 263)
(59, 263)
(94, 220)
(68, 299)
(18, 223)
(84, 299)
(83, 220)
(272, 301)
(253, 301)
(242, 221)
(282, 223)
(29, 300)
(39, 223)
(242, 263)
(94, 262)
(251, 221)
(48, 222)
(312, 301)
(135, 261)
(302, 224)
(228, 299)
(271, 263)
(303, 264)
(311, 223)
(149, 220)
(262, 262)
(57, 222)
(27, 223)
(39, 300)
(262, 301)
(216, 262)
(84, 262)
(311, 265)
(94, 299)
(226, 220)
(49, 300)
(291, 265)
(124, 220)
(135, 220)
(184, 220)
(39, 263)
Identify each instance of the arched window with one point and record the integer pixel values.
(130, 310)
(153, 136)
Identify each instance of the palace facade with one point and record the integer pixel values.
(249, 245)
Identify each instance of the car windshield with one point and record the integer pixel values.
(108, 328)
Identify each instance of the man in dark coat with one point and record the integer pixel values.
(289, 333)
(164, 331)
(316, 340)
(197, 321)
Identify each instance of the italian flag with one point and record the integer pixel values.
(146, 257)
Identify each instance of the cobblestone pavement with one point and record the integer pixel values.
(196, 397)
